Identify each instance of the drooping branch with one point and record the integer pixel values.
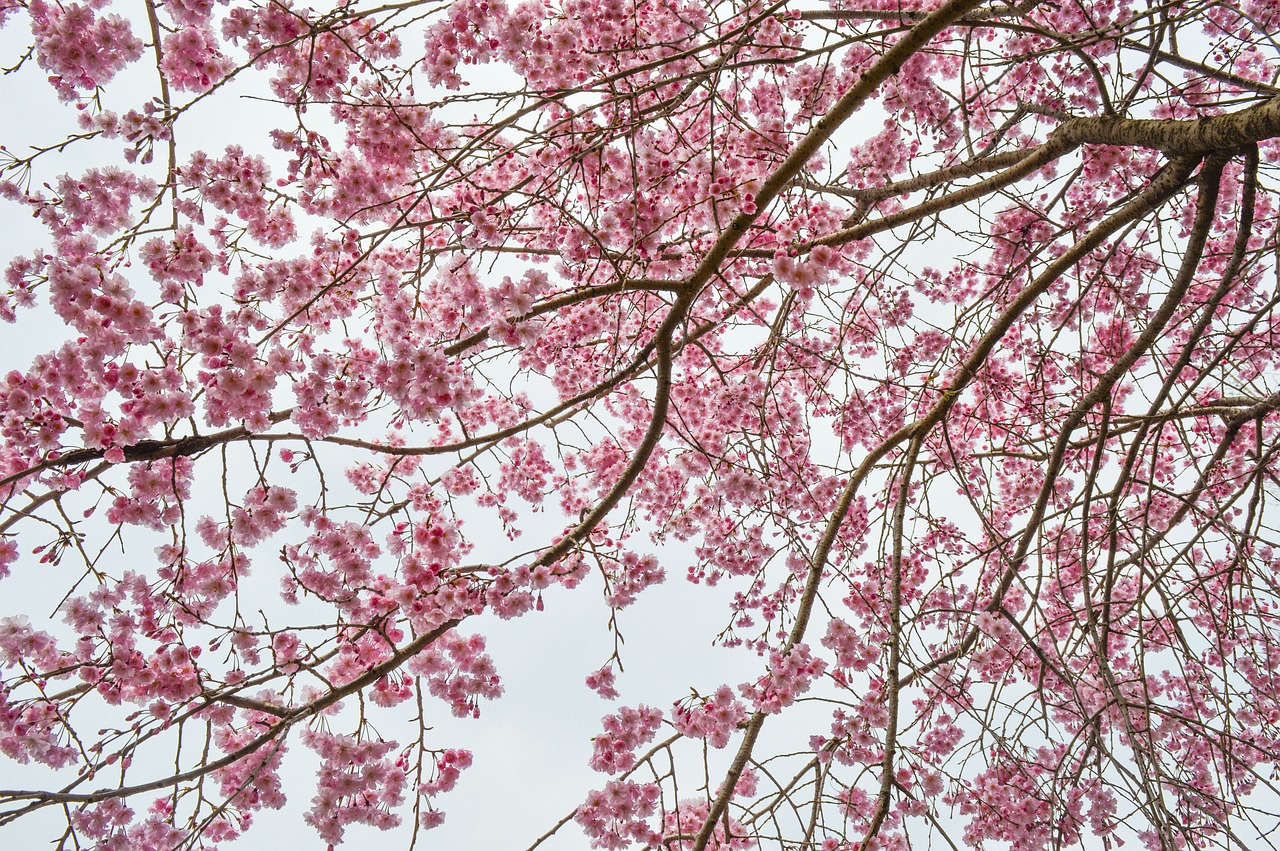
(845, 107)
(1156, 193)
(288, 718)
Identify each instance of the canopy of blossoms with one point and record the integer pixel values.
(940, 334)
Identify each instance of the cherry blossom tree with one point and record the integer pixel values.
(941, 335)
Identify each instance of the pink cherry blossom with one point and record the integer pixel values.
(355, 352)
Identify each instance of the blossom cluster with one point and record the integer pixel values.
(613, 750)
(713, 718)
(81, 49)
(789, 675)
(616, 816)
(458, 671)
(358, 784)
